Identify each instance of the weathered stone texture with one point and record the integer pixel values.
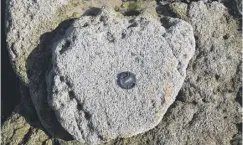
(83, 89)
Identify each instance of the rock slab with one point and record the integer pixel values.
(82, 83)
(208, 108)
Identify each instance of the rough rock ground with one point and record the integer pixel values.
(23, 126)
(222, 109)
(16, 130)
(27, 21)
(206, 110)
(83, 89)
(29, 39)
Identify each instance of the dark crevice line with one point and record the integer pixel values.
(14, 132)
(44, 142)
(10, 96)
(26, 137)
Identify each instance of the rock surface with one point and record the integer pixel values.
(84, 92)
(206, 110)
(16, 130)
(208, 107)
(27, 21)
(31, 29)
(23, 126)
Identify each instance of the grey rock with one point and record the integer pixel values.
(31, 27)
(198, 116)
(37, 64)
(27, 21)
(82, 83)
(26, 25)
(206, 111)
(16, 130)
(23, 126)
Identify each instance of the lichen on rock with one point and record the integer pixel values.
(16, 130)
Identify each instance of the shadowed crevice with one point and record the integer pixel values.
(37, 64)
(10, 96)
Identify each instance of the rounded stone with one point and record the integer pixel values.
(84, 85)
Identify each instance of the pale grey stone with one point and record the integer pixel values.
(26, 24)
(30, 28)
(82, 85)
(27, 21)
(207, 110)
(208, 107)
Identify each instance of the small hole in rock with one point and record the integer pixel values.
(110, 37)
(226, 36)
(80, 106)
(198, 79)
(194, 102)
(132, 13)
(104, 19)
(93, 11)
(65, 47)
(74, 38)
(153, 104)
(217, 77)
(204, 100)
(68, 84)
(87, 115)
(71, 95)
(86, 25)
(135, 24)
(212, 49)
(100, 137)
(132, 21)
(123, 35)
(61, 78)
